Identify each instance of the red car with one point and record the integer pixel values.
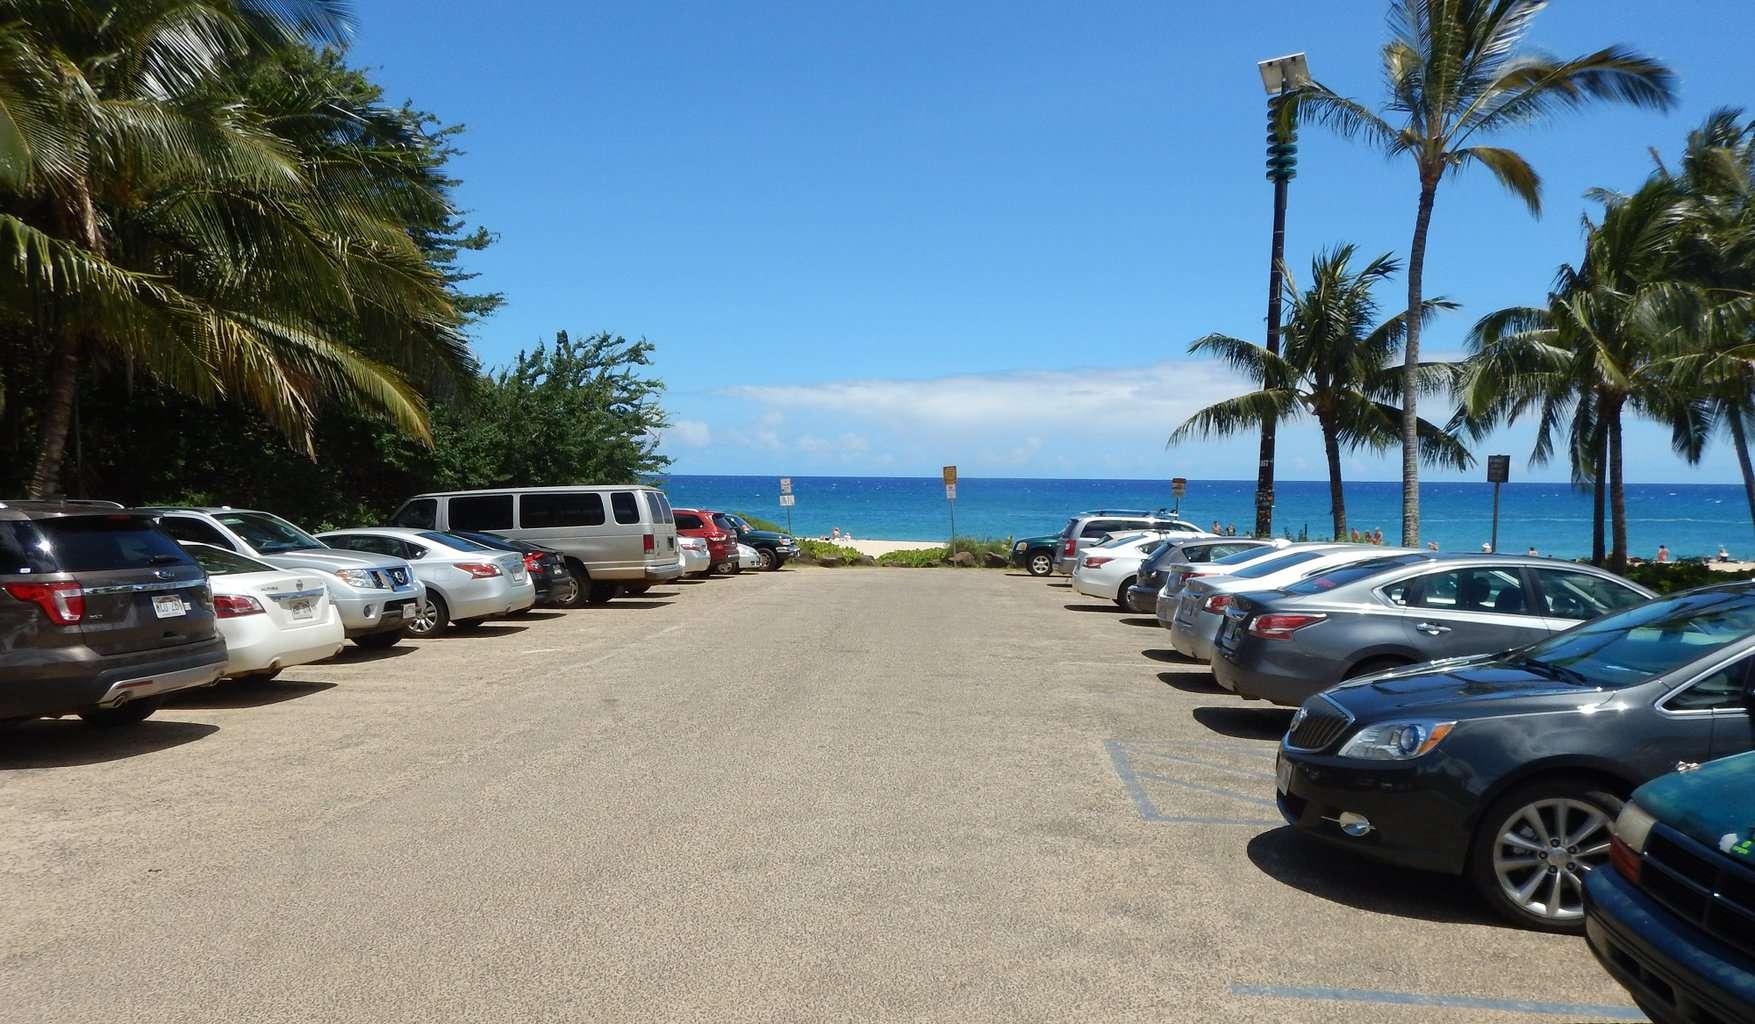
(721, 544)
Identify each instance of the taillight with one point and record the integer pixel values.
(1095, 560)
(1072, 547)
(1625, 859)
(230, 606)
(63, 603)
(650, 543)
(1191, 574)
(1217, 603)
(532, 562)
(1281, 626)
(480, 570)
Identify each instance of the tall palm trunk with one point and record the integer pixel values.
(1331, 445)
(1617, 491)
(1599, 486)
(57, 417)
(1734, 417)
(1410, 366)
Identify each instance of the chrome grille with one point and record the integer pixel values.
(1702, 885)
(400, 576)
(1317, 725)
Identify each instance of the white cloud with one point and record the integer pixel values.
(692, 433)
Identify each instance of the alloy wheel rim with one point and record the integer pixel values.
(425, 619)
(1040, 565)
(1543, 852)
(566, 592)
(767, 559)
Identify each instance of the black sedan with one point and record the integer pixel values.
(548, 567)
(1509, 768)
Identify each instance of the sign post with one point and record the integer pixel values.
(1178, 487)
(950, 474)
(1498, 472)
(786, 500)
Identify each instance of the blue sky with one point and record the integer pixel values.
(874, 239)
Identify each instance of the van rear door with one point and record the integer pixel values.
(663, 527)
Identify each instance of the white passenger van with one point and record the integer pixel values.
(617, 538)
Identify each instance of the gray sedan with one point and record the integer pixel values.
(1285, 645)
(1181, 557)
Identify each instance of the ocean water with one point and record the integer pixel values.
(1692, 519)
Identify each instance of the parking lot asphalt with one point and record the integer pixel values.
(843, 795)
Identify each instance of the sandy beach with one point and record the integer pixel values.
(875, 548)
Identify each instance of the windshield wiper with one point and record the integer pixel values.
(164, 560)
(1553, 671)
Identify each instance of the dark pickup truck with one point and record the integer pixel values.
(774, 548)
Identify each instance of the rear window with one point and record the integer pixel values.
(626, 507)
(451, 540)
(481, 512)
(89, 544)
(1346, 574)
(1273, 565)
(223, 562)
(550, 510)
(1246, 555)
(684, 521)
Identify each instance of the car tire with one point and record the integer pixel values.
(601, 593)
(770, 561)
(563, 593)
(1370, 665)
(1518, 836)
(131, 713)
(430, 619)
(581, 588)
(1121, 599)
(381, 641)
(1040, 563)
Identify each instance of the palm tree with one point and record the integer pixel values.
(1335, 366)
(1457, 71)
(1606, 342)
(159, 216)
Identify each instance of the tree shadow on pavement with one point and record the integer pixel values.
(246, 694)
(70, 743)
(632, 603)
(1191, 682)
(541, 615)
(1246, 723)
(502, 629)
(1342, 877)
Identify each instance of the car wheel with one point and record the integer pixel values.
(130, 713)
(1370, 665)
(571, 593)
(769, 561)
(1041, 563)
(1534, 846)
(601, 593)
(1121, 599)
(381, 641)
(430, 618)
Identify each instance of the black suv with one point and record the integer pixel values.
(101, 613)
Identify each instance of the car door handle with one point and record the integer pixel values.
(1431, 628)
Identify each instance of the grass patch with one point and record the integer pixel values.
(817, 550)
(1670, 577)
(922, 559)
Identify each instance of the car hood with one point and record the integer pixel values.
(1714, 805)
(330, 559)
(1037, 542)
(1474, 687)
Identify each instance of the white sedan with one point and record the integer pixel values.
(1109, 568)
(748, 557)
(271, 619)
(695, 559)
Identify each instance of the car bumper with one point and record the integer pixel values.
(490, 597)
(1064, 566)
(1413, 823)
(253, 643)
(1194, 637)
(1285, 690)
(1143, 600)
(1664, 961)
(78, 677)
(661, 572)
(1093, 586)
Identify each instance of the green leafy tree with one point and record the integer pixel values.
(1458, 72)
(1337, 365)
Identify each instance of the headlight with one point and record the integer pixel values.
(361, 578)
(1019, 546)
(1396, 741)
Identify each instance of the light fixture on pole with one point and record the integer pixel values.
(1281, 77)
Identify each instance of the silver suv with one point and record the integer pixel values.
(378, 595)
(1088, 528)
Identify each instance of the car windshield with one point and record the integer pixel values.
(220, 562)
(1340, 577)
(1644, 642)
(1273, 565)
(452, 540)
(267, 533)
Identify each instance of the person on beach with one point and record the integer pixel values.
(1532, 552)
(1724, 553)
(1231, 531)
(1431, 545)
(1486, 547)
(1355, 537)
(1218, 528)
(1663, 554)
(1377, 536)
(835, 534)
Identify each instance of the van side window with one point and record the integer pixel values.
(550, 509)
(419, 514)
(183, 528)
(626, 506)
(482, 512)
(659, 506)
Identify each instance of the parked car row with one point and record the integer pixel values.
(1523, 722)
(105, 610)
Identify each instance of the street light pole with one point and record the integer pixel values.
(1280, 76)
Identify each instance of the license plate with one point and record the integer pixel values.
(1283, 776)
(304, 608)
(168, 606)
(405, 610)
